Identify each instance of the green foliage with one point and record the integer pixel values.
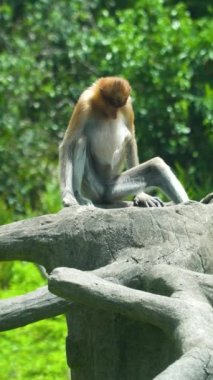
(23, 277)
(52, 50)
(170, 72)
(196, 8)
(35, 351)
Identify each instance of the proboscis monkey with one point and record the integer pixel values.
(99, 142)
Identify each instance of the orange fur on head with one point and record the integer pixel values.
(114, 90)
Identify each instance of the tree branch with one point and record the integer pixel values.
(89, 289)
(31, 307)
(41, 304)
(90, 238)
(194, 365)
(185, 313)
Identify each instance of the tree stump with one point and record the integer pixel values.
(136, 286)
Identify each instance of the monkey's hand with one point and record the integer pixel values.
(145, 200)
(69, 200)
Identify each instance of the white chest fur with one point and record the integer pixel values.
(108, 141)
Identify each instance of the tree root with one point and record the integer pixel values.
(181, 308)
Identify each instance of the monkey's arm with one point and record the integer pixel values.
(131, 145)
(66, 172)
(132, 153)
(69, 157)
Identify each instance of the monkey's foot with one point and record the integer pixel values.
(207, 199)
(145, 200)
(82, 200)
(189, 202)
(85, 201)
(69, 200)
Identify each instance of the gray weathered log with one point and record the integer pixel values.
(31, 307)
(124, 245)
(186, 315)
(41, 304)
(87, 238)
(86, 288)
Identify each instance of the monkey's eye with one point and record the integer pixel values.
(116, 102)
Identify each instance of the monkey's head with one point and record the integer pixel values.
(114, 92)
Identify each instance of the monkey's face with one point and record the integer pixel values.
(113, 103)
(114, 92)
(115, 100)
(112, 106)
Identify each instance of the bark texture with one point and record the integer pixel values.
(141, 282)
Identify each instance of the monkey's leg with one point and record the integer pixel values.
(153, 173)
(93, 187)
(87, 186)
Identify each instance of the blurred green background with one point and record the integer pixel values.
(49, 52)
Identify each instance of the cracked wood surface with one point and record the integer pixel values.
(88, 238)
(124, 246)
(181, 310)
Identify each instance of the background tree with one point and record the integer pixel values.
(49, 52)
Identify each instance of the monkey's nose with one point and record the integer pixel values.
(114, 115)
